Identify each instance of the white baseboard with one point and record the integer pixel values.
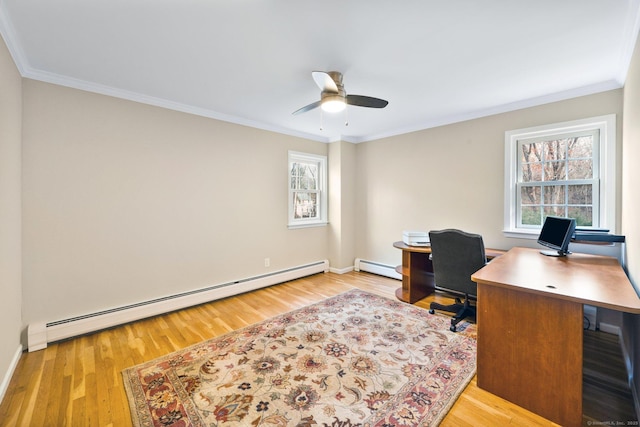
(6, 379)
(610, 329)
(377, 268)
(341, 270)
(40, 334)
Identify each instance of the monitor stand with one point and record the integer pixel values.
(554, 253)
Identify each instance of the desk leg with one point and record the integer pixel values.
(417, 277)
(530, 351)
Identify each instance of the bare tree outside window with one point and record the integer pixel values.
(557, 178)
(304, 183)
(307, 190)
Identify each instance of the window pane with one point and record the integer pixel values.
(305, 205)
(554, 195)
(580, 194)
(311, 170)
(581, 147)
(531, 215)
(311, 183)
(531, 152)
(555, 211)
(308, 177)
(555, 150)
(530, 195)
(295, 176)
(580, 169)
(555, 171)
(532, 172)
(582, 214)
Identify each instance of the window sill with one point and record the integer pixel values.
(521, 234)
(307, 225)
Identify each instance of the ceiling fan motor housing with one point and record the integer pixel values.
(336, 76)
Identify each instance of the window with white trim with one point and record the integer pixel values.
(307, 190)
(566, 169)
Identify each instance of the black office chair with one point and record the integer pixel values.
(456, 255)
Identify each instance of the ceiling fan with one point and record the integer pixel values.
(333, 98)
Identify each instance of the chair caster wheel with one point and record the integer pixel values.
(431, 311)
(453, 328)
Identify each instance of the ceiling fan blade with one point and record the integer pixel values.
(324, 81)
(307, 108)
(366, 101)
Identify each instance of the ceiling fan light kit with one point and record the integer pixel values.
(333, 103)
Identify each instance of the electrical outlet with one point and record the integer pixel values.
(267, 262)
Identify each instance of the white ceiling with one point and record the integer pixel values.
(250, 61)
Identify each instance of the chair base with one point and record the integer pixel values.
(462, 310)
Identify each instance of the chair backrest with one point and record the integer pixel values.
(456, 255)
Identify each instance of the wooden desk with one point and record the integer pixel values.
(417, 271)
(530, 326)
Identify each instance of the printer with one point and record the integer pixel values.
(415, 238)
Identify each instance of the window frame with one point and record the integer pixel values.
(605, 157)
(321, 162)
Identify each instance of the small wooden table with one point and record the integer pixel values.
(530, 326)
(417, 271)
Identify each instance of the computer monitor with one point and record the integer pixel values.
(556, 234)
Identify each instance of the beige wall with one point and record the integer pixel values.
(450, 176)
(631, 203)
(124, 202)
(630, 167)
(10, 210)
(342, 198)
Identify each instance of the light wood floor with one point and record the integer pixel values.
(78, 382)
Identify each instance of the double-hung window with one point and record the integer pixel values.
(566, 170)
(307, 190)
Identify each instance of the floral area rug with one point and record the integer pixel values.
(356, 359)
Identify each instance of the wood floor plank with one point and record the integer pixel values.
(78, 382)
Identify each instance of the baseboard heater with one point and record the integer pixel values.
(40, 334)
(377, 268)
